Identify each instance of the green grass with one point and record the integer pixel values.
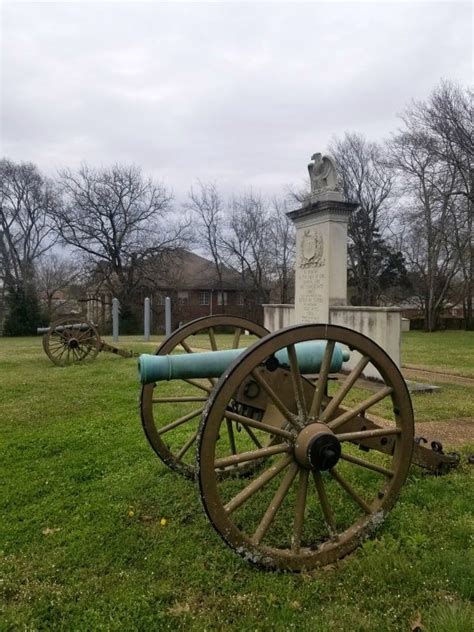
(450, 351)
(82, 546)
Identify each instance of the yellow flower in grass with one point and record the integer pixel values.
(163, 522)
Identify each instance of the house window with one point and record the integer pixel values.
(204, 298)
(240, 298)
(222, 298)
(183, 297)
(161, 299)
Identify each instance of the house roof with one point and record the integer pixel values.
(184, 270)
(190, 271)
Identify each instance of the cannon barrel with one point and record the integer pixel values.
(187, 366)
(80, 326)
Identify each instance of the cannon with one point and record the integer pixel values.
(67, 341)
(298, 456)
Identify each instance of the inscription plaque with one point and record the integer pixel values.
(311, 301)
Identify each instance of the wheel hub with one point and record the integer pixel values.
(73, 343)
(317, 448)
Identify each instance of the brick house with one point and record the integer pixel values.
(192, 283)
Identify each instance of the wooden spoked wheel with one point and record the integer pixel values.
(171, 411)
(331, 470)
(71, 340)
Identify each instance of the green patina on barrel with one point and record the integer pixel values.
(153, 368)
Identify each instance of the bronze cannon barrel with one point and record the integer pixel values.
(153, 368)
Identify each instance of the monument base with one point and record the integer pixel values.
(381, 324)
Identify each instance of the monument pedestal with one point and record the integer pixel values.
(321, 269)
(321, 256)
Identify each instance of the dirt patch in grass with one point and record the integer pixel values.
(412, 373)
(453, 432)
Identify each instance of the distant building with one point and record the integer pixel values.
(195, 289)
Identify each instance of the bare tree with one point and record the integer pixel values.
(54, 274)
(27, 201)
(366, 179)
(246, 243)
(444, 123)
(118, 220)
(428, 190)
(282, 244)
(206, 203)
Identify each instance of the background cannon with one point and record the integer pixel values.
(321, 453)
(71, 340)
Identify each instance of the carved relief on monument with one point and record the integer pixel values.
(311, 277)
(311, 249)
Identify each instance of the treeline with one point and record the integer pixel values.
(117, 230)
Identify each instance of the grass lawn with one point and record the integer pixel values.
(97, 534)
(450, 351)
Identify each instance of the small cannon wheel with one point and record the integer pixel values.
(330, 474)
(67, 343)
(171, 421)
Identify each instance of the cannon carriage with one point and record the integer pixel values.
(67, 341)
(298, 457)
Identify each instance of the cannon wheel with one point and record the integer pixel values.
(69, 344)
(173, 444)
(328, 482)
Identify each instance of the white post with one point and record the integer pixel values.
(115, 319)
(146, 318)
(167, 316)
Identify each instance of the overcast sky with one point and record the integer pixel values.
(238, 93)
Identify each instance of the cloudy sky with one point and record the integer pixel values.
(239, 93)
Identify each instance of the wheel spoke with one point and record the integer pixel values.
(187, 445)
(252, 435)
(62, 352)
(325, 506)
(275, 504)
(252, 455)
(344, 389)
(230, 432)
(258, 425)
(367, 403)
(289, 416)
(257, 484)
(61, 334)
(368, 434)
(322, 380)
(236, 340)
(350, 490)
(186, 347)
(55, 343)
(85, 334)
(300, 507)
(212, 338)
(297, 382)
(370, 466)
(180, 421)
(199, 385)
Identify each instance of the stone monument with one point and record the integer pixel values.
(321, 269)
(321, 245)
